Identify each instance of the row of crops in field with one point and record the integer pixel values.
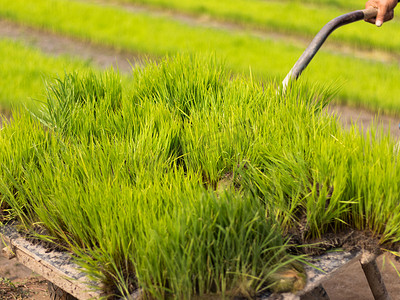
(285, 16)
(191, 176)
(255, 9)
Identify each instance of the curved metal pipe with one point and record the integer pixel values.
(320, 38)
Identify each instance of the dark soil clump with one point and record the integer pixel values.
(348, 240)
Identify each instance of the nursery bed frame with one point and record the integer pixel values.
(55, 266)
(58, 268)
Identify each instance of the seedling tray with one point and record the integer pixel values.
(59, 268)
(55, 266)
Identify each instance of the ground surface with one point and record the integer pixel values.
(18, 282)
(348, 284)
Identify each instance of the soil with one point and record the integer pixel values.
(18, 282)
(347, 284)
(55, 45)
(364, 119)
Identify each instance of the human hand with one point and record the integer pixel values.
(385, 10)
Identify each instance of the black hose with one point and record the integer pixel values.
(320, 38)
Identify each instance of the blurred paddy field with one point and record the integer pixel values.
(262, 39)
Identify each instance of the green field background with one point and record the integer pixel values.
(366, 82)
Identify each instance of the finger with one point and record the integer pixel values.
(380, 17)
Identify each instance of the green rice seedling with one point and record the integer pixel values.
(209, 236)
(65, 101)
(190, 182)
(77, 183)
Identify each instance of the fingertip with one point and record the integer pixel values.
(378, 23)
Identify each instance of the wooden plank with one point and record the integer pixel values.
(57, 267)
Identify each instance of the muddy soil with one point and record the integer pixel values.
(56, 45)
(18, 282)
(365, 119)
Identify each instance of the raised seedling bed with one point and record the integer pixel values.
(59, 269)
(55, 266)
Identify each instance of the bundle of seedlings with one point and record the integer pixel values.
(189, 182)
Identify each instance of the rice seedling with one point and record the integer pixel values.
(188, 181)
